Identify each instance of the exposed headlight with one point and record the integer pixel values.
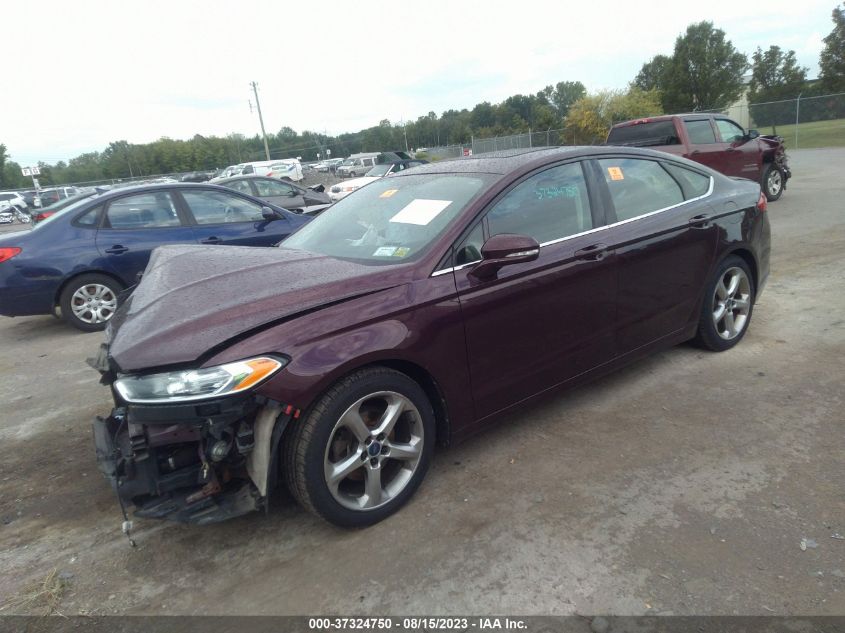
(198, 384)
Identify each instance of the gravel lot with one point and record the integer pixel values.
(684, 484)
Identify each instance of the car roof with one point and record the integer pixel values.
(507, 161)
(113, 193)
(669, 117)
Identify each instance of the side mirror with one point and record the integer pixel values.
(503, 250)
(270, 214)
(752, 134)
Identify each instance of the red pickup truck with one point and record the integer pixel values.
(713, 140)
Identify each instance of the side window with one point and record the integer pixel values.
(639, 186)
(470, 249)
(729, 131)
(89, 218)
(548, 206)
(216, 207)
(269, 188)
(693, 183)
(240, 185)
(700, 132)
(143, 211)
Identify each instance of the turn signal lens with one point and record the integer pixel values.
(8, 253)
(762, 203)
(197, 384)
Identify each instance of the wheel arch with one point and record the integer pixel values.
(415, 372)
(94, 271)
(748, 257)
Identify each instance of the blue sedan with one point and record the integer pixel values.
(81, 258)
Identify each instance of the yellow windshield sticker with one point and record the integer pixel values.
(401, 251)
(615, 173)
(388, 193)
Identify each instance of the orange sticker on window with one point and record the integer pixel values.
(388, 193)
(615, 173)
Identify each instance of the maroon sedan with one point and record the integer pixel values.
(416, 311)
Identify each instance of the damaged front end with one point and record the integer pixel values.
(775, 152)
(198, 461)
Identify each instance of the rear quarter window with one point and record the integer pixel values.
(693, 183)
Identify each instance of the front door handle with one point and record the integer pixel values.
(702, 221)
(117, 249)
(211, 240)
(593, 253)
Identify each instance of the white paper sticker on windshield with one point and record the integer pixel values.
(420, 211)
(385, 251)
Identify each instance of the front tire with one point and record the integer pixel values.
(89, 301)
(773, 182)
(727, 306)
(363, 449)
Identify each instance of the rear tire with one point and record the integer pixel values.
(89, 301)
(362, 450)
(727, 306)
(773, 182)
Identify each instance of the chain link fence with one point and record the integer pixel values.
(803, 122)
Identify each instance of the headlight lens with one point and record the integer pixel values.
(198, 384)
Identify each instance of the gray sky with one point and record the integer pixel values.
(81, 74)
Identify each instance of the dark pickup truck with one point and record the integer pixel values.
(712, 140)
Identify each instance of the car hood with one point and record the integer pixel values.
(193, 299)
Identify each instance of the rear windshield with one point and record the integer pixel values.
(390, 220)
(645, 134)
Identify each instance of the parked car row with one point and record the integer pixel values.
(343, 189)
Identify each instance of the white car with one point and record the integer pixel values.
(13, 199)
(289, 169)
(343, 189)
(7, 214)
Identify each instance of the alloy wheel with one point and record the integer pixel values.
(374, 450)
(731, 303)
(775, 182)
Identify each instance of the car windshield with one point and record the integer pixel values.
(389, 220)
(379, 170)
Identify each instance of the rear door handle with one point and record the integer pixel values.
(594, 252)
(211, 240)
(117, 249)
(702, 221)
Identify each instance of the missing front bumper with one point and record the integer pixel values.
(199, 463)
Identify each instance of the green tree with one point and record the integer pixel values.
(591, 117)
(653, 73)
(832, 59)
(3, 157)
(565, 94)
(775, 78)
(704, 72)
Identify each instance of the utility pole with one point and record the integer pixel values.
(260, 119)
